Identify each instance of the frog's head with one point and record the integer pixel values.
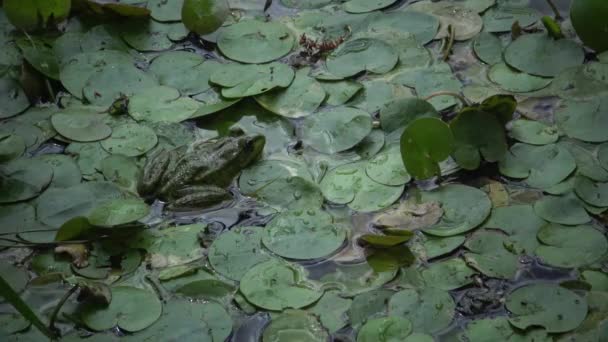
(250, 148)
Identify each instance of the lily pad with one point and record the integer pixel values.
(240, 80)
(152, 35)
(570, 247)
(515, 81)
(488, 48)
(464, 208)
(24, 179)
(465, 22)
(550, 306)
(399, 113)
(499, 329)
(423, 26)
(331, 310)
(430, 310)
(12, 146)
(118, 212)
(13, 100)
(584, 119)
(161, 104)
(131, 140)
(369, 305)
(489, 254)
(390, 328)
(131, 309)
(340, 92)
(337, 129)
(81, 127)
(424, 143)
(387, 168)
(277, 285)
(354, 279)
(165, 10)
(300, 99)
(501, 18)
(186, 71)
(303, 234)
(205, 16)
(521, 223)
(567, 209)
(550, 56)
(363, 6)
(448, 274)
(593, 193)
(533, 132)
(377, 94)
(235, 252)
(295, 325)
(363, 54)
(254, 41)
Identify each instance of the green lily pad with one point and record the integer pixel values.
(12, 323)
(567, 209)
(434, 247)
(448, 274)
(354, 279)
(24, 179)
(207, 290)
(377, 94)
(337, 129)
(521, 223)
(303, 234)
(103, 88)
(131, 309)
(340, 92)
(291, 193)
(369, 305)
(165, 10)
(186, 71)
(211, 101)
(295, 325)
(118, 212)
(385, 241)
(16, 278)
(430, 310)
(488, 48)
(578, 84)
(464, 208)
(31, 134)
(551, 56)
(597, 279)
(240, 80)
(151, 35)
(253, 41)
(34, 15)
(331, 310)
(499, 329)
(583, 119)
(235, 252)
(13, 100)
(387, 168)
(593, 193)
(307, 4)
(205, 16)
(363, 6)
(15, 218)
(121, 170)
(390, 328)
(570, 247)
(587, 159)
(12, 146)
(161, 104)
(533, 132)
(501, 18)
(277, 285)
(300, 99)
(552, 307)
(424, 143)
(423, 26)
(40, 55)
(65, 170)
(515, 81)
(131, 140)
(466, 22)
(541, 166)
(399, 113)
(349, 184)
(489, 254)
(81, 127)
(264, 172)
(170, 246)
(88, 156)
(363, 54)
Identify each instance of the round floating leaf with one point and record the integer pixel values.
(550, 56)
(262, 173)
(240, 80)
(354, 279)
(424, 143)
(348, 184)
(121, 170)
(533, 132)
(24, 179)
(65, 170)
(131, 309)
(595, 194)
(57, 205)
(253, 41)
(363, 6)
(12, 323)
(81, 127)
(291, 193)
(16, 278)
(465, 22)
(363, 54)
(567, 209)
(577, 84)
(502, 18)
(515, 81)
(377, 94)
(390, 328)
(186, 71)
(303, 234)
(437, 246)
(464, 208)
(387, 168)
(277, 285)
(401, 112)
(161, 104)
(448, 274)
(588, 19)
(204, 16)
(430, 310)
(587, 159)
(118, 212)
(171, 246)
(295, 325)
(234, 252)
(340, 92)
(337, 129)
(12, 146)
(151, 35)
(103, 88)
(331, 310)
(423, 26)
(307, 4)
(499, 329)
(550, 306)
(570, 247)
(131, 140)
(489, 255)
(584, 120)
(162, 10)
(368, 305)
(13, 99)
(300, 99)
(211, 102)
(208, 290)
(542, 166)
(488, 48)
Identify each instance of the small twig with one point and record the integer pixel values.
(450, 42)
(555, 10)
(64, 299)
(462, 99)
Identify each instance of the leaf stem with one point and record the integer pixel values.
(555, 10)
(64, 299)
(450, 42)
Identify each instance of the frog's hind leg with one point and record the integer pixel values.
(153, 173)
(198, 197)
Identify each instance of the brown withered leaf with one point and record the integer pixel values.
(78, 252)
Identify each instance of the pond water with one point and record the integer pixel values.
(327, 237)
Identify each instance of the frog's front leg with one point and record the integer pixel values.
(201, 196)
(153, 173)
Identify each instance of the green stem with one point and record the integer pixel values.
(64, 299)
(15, 300)
(450, 42)
(552, 27)
(555, 10)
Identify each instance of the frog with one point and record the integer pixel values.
(198, 175)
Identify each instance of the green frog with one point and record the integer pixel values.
(197, 176)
